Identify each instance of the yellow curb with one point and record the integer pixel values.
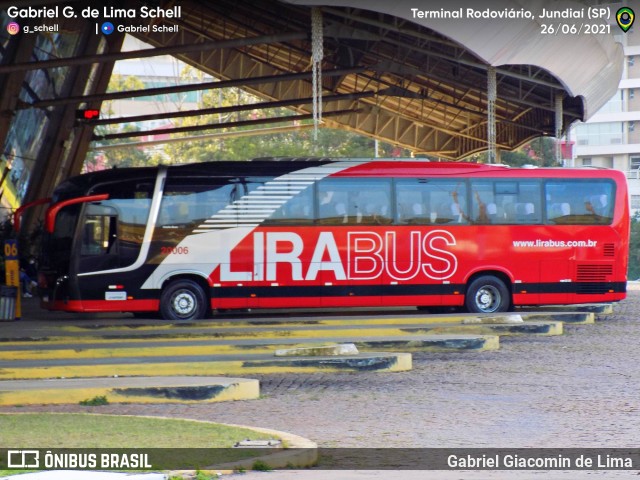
(127, 390)
(397, 362)
(429, 342)
(573, 318)
(406, 342)
(121, 352)
(318, 350)
(249, 324)
(514, 329)
(292, 333)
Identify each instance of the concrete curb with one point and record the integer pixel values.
(318, 351)
(597, 308)
(128, 390)
(73, 350)
(371, 361)
(525, 328)
(300, 453)
(438, 343)
(581, 318)
(250, 365)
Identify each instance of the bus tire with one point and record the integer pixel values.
(183, 300)
(487, 294)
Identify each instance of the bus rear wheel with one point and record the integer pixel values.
(183, 300)
(487, 294)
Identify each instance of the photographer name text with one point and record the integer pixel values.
(92, 12)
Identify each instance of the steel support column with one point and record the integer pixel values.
(491, 114)
(558, 125)
(19, 49)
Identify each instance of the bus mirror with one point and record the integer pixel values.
(52, 213)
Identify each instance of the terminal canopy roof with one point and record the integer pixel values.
(413, 81)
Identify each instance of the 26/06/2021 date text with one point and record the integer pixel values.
(575, 29)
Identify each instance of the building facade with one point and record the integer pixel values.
(611, 138)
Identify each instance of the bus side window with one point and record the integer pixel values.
(296, 211)
(483, 207)
(567, 203)
(599, 203)
(409, 206)
(90, 244)
(525, 212)
(354, 201)
(376, 208)
(332, 208)
(424, 201)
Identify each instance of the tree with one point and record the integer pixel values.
(120, 157)
(634, 248)
(300, 143)
(540, 151)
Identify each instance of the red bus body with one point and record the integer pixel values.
(401, 233)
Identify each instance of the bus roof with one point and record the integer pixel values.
(353, 167)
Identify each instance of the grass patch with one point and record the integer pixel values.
(46, 430)
(173, 444)
(95, 401)
(261, 466)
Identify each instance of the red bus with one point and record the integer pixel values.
(183, 240)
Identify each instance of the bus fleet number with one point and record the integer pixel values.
(174, 250)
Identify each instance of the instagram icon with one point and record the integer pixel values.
(13, 28)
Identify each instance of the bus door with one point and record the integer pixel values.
(98, 241)
(110, 262)
(98, 250)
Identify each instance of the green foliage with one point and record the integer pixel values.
(234, 142)
(261, 466)
(241, 143)
(95, 401)
(120, 157)
(543, 151)
(539, 151)
(200, 475)
(634, 249)
(206, 476)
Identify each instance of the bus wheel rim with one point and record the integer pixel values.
(183, 303)
(488, 299)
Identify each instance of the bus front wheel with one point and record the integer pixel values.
(183, 300)
(487, 294)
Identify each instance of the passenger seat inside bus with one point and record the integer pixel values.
(525, 213)
(600, 204)
(492, 212)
